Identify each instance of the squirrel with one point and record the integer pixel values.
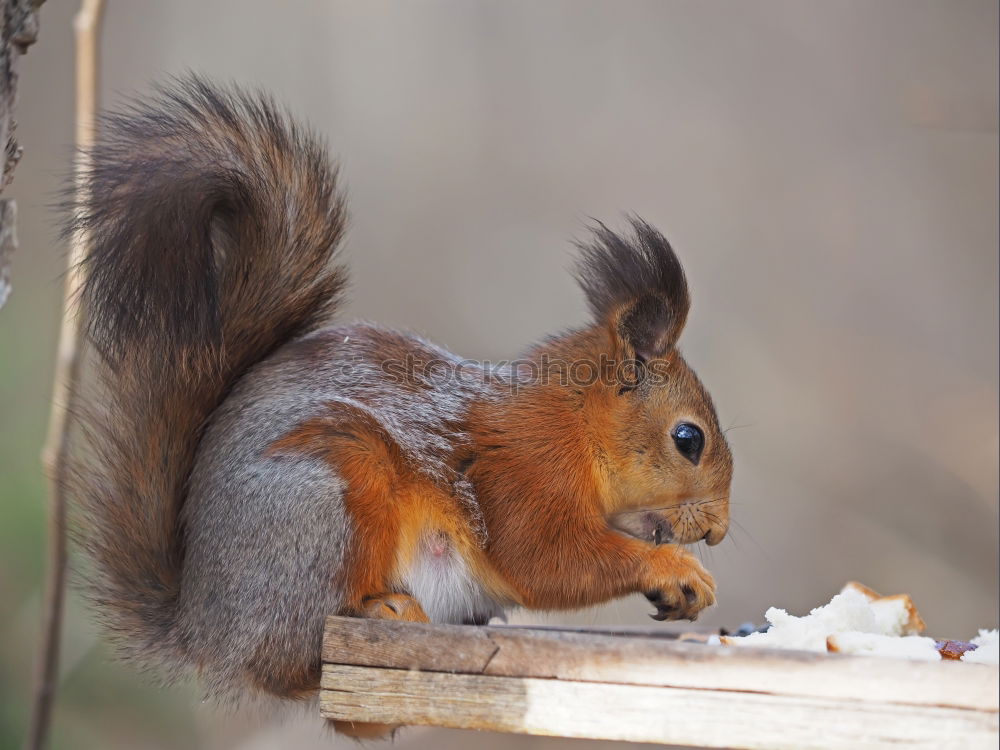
(252, 468)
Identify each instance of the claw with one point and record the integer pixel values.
(664, 612)
(688, 594)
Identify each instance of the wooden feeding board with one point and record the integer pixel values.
(649, 689)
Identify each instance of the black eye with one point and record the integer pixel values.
(689, 441)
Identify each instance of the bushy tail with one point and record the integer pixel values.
(212, 220)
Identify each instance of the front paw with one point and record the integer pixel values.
(679, 586)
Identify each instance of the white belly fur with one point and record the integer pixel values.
(439, 579)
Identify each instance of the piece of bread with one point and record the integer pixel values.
(869, 594)
(896, 614)
(848, 610)
(877, 644)
(987, 648)
(857, 620)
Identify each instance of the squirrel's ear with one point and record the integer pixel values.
(635, 286)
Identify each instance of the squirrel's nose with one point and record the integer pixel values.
(715, 535)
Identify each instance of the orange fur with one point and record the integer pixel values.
(368, 463)
(554, 462)
(391, 507)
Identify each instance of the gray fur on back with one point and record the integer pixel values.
(265, 536)
(260, 532)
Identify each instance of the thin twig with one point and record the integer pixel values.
(87, 27)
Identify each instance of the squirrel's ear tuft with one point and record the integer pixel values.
(635, 285)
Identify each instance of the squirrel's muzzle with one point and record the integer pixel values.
(687, 523)
(715, 517)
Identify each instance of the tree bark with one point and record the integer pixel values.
(20, 30)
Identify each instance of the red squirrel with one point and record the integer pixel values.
(252, 469)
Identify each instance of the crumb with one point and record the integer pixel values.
(954, 649)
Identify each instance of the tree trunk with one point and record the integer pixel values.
(20, 29)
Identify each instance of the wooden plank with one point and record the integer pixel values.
(548, 654)
(661, 631)
(642, 713)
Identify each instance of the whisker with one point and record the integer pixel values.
(685, 504)
(735, 543)
(750, 536)
(641, 510)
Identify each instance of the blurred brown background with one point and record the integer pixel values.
(827, 172)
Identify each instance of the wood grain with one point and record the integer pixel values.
(642, 713)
